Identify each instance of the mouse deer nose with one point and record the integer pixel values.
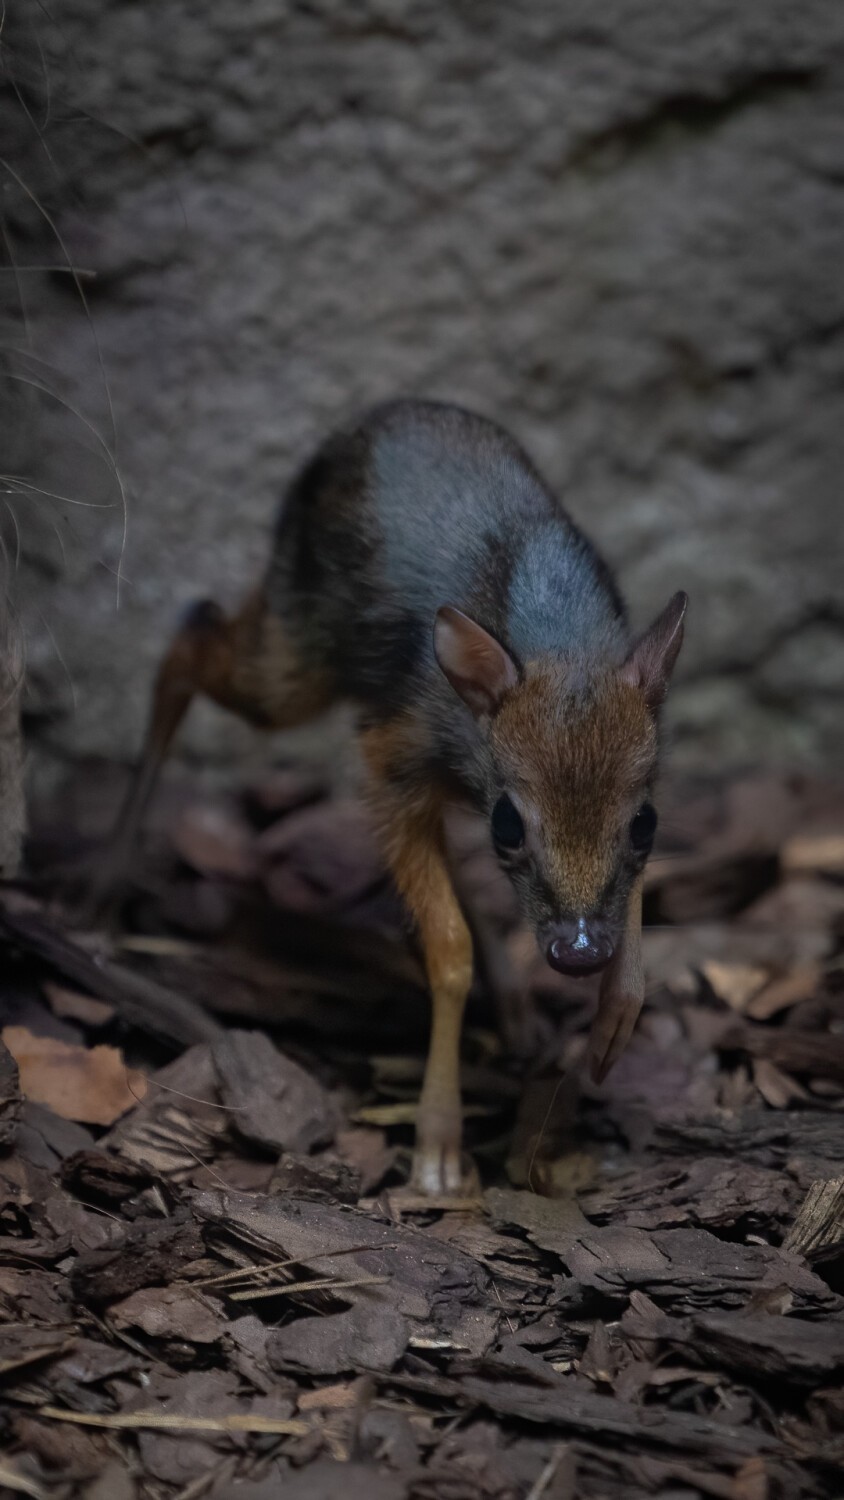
(581, 947)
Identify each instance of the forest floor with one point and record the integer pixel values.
(213, 1280)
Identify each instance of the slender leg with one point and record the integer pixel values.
(447, 947)
(176, 683)
(417, 857)
(523, 1029)
(246, 664)
(622, 993)
(412, 828)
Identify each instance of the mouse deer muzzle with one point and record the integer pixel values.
(580, 947)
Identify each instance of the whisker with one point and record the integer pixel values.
(36, 127)
(13, 268)
(45, 73)
(82, 271)
(61, 659)
(80, 291)
(60, 540)
(45, 390)
(37, 489)
(8, 506)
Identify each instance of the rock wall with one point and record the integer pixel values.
(12, 817)
(618, 228)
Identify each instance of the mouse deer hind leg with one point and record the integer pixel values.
(411, 824)
(195, 656)
(245, 663)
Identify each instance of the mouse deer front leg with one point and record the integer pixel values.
(413, 839)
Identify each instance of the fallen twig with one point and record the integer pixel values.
(286, 1288)
(138, 1000)
(168, 1421)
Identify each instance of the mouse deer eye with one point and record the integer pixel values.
(643, 828)
(508, 830)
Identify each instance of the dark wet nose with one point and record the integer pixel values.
(581, 947)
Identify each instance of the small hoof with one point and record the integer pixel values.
(437, 1171)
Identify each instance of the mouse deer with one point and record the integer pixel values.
(422, 570)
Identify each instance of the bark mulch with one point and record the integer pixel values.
(213, 1279)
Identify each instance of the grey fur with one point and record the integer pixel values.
(420, 505)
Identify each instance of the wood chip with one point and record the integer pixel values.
(274, 1101)
(818, 1230)
(626, 1325)
(10, 1097)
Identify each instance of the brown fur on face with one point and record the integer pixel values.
(576, 751)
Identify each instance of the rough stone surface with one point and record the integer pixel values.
(618, 228)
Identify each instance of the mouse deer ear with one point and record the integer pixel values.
(651, 661)
(476, 665)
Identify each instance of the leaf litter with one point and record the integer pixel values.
(214, 1281)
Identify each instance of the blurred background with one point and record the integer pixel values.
(617, 229)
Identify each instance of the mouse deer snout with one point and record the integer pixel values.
(580, 947)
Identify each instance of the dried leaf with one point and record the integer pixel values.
(72, 1006)
(92, 1085)
(776, 1088)
(822, 852)
(784, 991)
(737, 984)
